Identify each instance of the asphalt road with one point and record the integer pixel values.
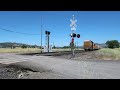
(66, 68)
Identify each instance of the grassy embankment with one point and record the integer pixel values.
(109, 54)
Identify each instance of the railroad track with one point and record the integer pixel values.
(58, 53)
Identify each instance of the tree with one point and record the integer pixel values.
(66, 46)
(54, 47)
(113, 44)
(23, 46)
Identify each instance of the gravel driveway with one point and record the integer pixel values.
(83, 66)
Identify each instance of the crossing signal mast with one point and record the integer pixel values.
(73, 34)
(48, 47)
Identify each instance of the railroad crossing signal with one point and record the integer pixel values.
(72, 45)
(47, 32)
(78, 35)
(47, 40)
(72, 40)
(73, 24)
(74, 35)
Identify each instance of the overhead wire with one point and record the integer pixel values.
(17, 32)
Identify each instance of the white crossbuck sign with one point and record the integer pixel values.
(73, 24)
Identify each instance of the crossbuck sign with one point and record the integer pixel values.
(73, 23)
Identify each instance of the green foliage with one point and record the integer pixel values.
(54, 47)
(113, 44)
(23, 46)
(66, 47)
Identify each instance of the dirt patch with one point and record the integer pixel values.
(82, 55)
(13, 71)
(2, 58)
(16, 67)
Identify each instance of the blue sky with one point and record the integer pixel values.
(98, 26)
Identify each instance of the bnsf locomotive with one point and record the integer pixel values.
(90, 45)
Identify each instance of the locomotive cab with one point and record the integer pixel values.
(88, 45)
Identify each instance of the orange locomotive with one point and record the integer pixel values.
(89, 45)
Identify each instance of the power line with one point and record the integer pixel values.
(17, 32)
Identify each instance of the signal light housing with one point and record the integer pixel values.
(78, 35)
(74, 35)
(47, 32)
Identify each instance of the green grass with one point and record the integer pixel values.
(107, 53)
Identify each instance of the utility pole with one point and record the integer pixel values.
(48, 43)
(53, 44)
(41, 34)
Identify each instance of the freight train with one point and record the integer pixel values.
(90, 45)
